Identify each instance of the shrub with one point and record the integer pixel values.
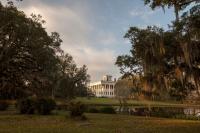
(62, 106)
(141, 111)
(161, 112)
(44, 106)
(76, 109)
(83, 117)
(166, 112)
(93, 110)
(3, 105)
(26, 106)
(107, 110)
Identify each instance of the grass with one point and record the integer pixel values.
(96, 123)
(115, 102)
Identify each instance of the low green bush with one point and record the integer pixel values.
(62, 106)
(166, 112)
(141, 112)
(92, 110)
(107, 110)
(26, 106)
(76, 109)
(44, 106)
(160, 112)
(3, 105)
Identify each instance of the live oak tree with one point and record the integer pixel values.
(73, 80)
(26, 51)
(30, 58)
(178, 5)
(166, 58)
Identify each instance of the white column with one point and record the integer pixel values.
(109, 90)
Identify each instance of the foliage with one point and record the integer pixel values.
(93, 110)
(62, 106)
(26, 105)
(178, 5)
(27, 54)
(115, 102)
(123, 92)
(73, 80)
(31, 60)
(161, 57)
(44, 106)
(128, 87)
(123, 88)
(76, 109)
(104, 110)
(163, 112)
(3, 105)
(180, 91)
(107, 110)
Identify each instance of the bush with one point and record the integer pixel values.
(166, 112)
(44, 106)
(3, 105)
(29, 105)
(107, 110)
(26, 106)
(62, 106)
(76, 109)
(142, 112)
(93, 110)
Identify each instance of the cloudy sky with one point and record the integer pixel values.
(92, 30)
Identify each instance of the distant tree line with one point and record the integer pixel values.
(32, 61)
(167, 62)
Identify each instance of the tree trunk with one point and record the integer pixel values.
(176, 11)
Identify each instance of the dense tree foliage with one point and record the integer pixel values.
(31, 60)
(178, 5)
(164, 59)
(73, 80)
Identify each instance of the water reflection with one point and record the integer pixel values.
(192, 111)
(159, 111)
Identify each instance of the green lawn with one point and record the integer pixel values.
(96, 123)
(115, 102)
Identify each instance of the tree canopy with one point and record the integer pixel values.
(161, 57)
(31, 60)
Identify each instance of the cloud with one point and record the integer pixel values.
(72, 27)
(99, 62)
(76, 32)
(143, 12)
(107, 38)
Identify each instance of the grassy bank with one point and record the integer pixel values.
(115, 102)
(96, 123)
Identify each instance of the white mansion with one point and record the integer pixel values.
(103, 88)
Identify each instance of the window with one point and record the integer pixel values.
(111, 86)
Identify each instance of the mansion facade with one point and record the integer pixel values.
(103, 88)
